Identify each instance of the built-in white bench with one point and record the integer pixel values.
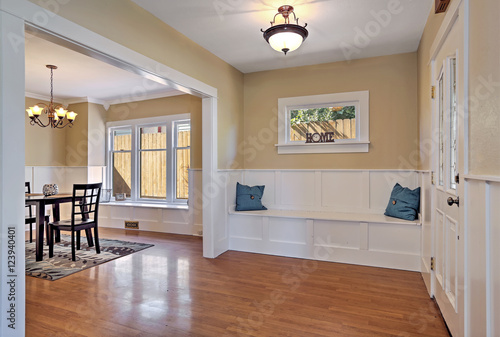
(335, 216)
(360, 235)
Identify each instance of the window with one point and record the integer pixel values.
(148, 159)
(329, 123)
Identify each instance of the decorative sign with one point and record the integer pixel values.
(120, 196)
(323, 137)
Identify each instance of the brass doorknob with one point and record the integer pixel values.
(452, 201)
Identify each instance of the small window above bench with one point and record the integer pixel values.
(331, 123)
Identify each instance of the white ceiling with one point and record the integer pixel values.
(230, 29)
(80, 77)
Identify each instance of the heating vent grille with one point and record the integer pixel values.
(442, 5)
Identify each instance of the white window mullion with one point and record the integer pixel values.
(170, 162)
(135, 165)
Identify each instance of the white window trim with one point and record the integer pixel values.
(361, 99)
(135, 124)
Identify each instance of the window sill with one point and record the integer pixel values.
(145, 205)
(323, 148)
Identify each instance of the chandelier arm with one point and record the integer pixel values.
(61, 126)
(40, 123)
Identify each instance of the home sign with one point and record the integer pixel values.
(323, 137)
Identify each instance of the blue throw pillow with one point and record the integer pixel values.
(404, 203)
(249, 198)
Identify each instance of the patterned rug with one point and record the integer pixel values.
(61, 264)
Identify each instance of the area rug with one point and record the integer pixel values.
(61, 264)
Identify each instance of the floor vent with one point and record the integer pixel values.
(132, 224)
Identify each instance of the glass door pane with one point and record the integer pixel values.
(453, 124)
(441, 131)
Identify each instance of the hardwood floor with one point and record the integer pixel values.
(171, 290)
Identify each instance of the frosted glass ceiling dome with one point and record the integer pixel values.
(288, 36)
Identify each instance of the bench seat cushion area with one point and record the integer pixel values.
(357, 238)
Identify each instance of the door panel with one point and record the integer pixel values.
(447, 277)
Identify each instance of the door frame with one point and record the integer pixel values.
(443, 32)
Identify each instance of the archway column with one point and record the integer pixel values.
(12, 227)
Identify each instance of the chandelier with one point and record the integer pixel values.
(58, 116)
(287, 36)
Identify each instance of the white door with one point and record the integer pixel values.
(447, 219)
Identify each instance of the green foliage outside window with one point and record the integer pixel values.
(321, 114)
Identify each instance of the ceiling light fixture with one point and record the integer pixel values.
(287, 36)
(56, 113)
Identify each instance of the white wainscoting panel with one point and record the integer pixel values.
(391, 244)
(476, 259)
(345, 191)
(298, 189)
(493, 285)
(483, 256)
(394, 239)
(382, 182)
(337, 234)
(266, 178)
(287, 230)
(244, 227)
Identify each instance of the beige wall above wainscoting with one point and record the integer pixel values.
(424, 89)
(76, 138)
(86, 140)
(392, 83)
(484, 88)
(130, 25)
(158, 107)
(43, 146)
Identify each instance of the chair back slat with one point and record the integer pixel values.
(85, 204)
(27, 190)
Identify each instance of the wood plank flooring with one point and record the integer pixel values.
(171, 290)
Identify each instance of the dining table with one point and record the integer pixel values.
(40, 201)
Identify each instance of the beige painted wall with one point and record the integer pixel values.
(166, 106)
(43, 145)
(128, 24)
(392, 82)
(96, 135)
(424, 89)
(77, 136)
(484, 88)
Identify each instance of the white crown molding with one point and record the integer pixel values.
(129, 99)
(87, 99)
(106, 103)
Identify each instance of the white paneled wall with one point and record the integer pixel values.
(483, 256)
(186, 221)
(177, 221)
(381, 242)
(324, 190)
(64, 177)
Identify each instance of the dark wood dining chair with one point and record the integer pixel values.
(29, 219)
(84, 216)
